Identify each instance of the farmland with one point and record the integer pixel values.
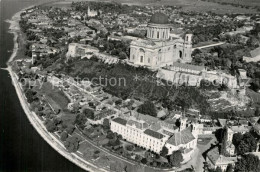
(195, 5)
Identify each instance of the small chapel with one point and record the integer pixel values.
(159, 49)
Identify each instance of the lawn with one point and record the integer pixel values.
(54, 96)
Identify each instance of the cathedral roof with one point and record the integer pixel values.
(159, 18)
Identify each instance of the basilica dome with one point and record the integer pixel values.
(159, 18)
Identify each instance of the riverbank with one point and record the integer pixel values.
(34, 120)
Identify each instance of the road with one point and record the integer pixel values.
(207, 46)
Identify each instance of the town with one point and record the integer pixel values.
(144, 88)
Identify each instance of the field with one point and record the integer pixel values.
(190, 5)
(251, 3)
(55, 97)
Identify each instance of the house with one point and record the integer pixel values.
(214, 159)
(236, 129)
(255, 56)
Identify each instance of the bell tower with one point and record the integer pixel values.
(183, 124)
(187, 48)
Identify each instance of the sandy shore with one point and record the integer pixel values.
(33, 118)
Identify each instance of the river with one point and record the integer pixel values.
(21, 147)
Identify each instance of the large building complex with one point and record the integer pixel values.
(153, 134)
(159, 48)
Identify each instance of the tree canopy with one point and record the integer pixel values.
(248, 163)
(148, 108)
(176, 158)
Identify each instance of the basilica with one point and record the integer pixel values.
(159, 49)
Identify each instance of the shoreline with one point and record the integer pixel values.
(33, 118)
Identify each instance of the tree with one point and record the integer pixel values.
(70, 129)
(147, 108)
(257, 112)
(138, 158)
(237, 137)
(81, 120)
(249, 162)
(144, 161)
(248, 144)
(218, 169)
(30, 95)
(230, 168)
(130, 147)
(89, 113)
(122, 55)
(106, 123)
(64, 136)
(176, 158)
(164, 151)
(50, 126)
(72, 143)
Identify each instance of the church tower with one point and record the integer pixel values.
(187, 48)
(183, 124)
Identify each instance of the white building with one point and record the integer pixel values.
(159, 49)
(138, 132)
(153, 134)
(81, 50)
(92, 13)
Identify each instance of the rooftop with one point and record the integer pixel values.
(183, 137)
(120, 121)
(153, 134)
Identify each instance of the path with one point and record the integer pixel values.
(207, 46)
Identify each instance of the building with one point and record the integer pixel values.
(153, 134)
(81, 50)
(159, 49)
(255, 56)
(92, 13)
(180, 73)
(183, 140)
(138, 132)
(214, 159)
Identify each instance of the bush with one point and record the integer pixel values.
(144, 161)
(130, 147)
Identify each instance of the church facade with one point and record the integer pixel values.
(158, 49)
